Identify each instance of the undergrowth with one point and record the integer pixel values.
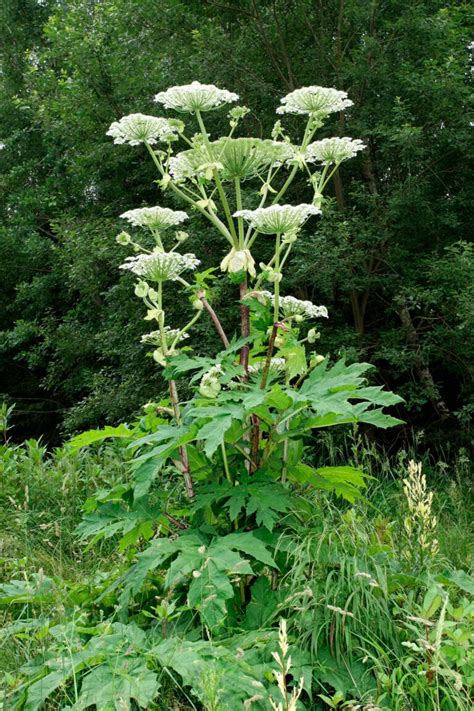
(349, 597)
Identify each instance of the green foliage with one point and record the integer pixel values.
(91, 436)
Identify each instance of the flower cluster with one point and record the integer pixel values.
(160, 266)
(333, 150)
(189, 98)
(154, 338)
(210, 385)
(157, 218)
(278, 219)
(139, 128)
(317, 100)
(291, 306)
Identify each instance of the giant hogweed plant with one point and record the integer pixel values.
(205, 559)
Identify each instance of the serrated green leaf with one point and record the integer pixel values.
(262, 606)
(92, 436)
(208, 594)
(213, 433)
(251, 545)
(115, 684)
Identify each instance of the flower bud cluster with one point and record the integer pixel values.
(239, 260)
(210, 385)
(277, 365)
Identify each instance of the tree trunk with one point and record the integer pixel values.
(421, 367)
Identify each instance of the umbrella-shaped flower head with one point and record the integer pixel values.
(156, 218)
(190, 98)
(316, 100)
(333, 150)
(278, 219)
(139, 128)
(160, 266)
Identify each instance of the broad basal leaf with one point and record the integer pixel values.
(115, 684)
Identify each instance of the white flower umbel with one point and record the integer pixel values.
(277, 365)
(333, 150)
(241, 158)
(239, 260)
(290, 306)
(139, 128)
(154, 338)
(160, 266)
(278, 219)
(190, 98)
(317, 100)
(158, 218)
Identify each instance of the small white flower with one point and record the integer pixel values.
(333, 150)
(238, 261)
(317, 100)
(195, 97)
(160, 266)
(278, 218)
(158, 218)
(138, 128)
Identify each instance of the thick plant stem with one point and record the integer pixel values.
(268, 359)
(183, 455)
(245, 329)
(240, 222)
(276, 309)
(226, 465)
(255, 438)
(176, 522)
(214, 318)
